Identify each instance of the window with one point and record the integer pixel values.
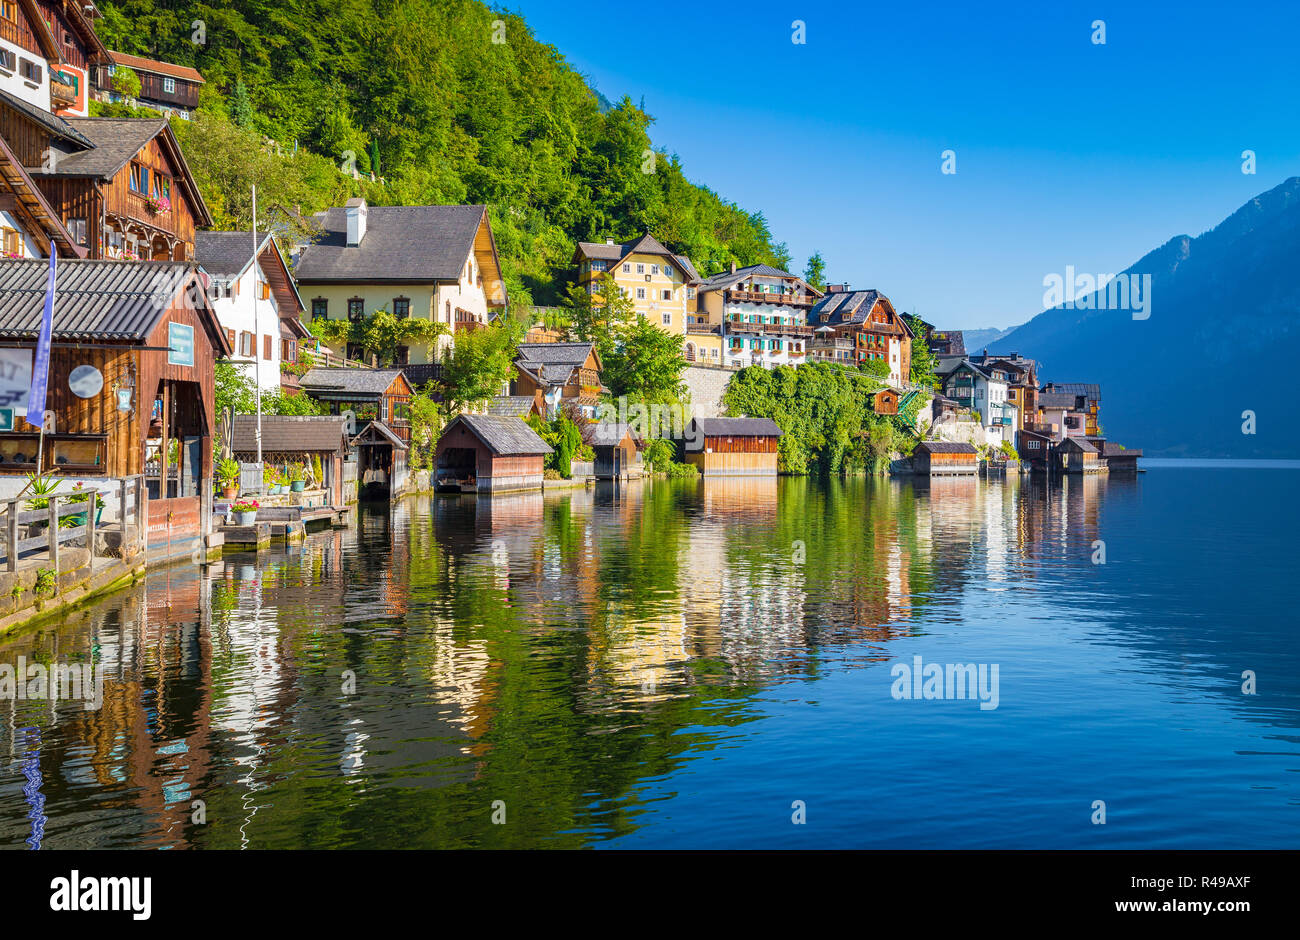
(246, 340)
(8, 59)
(230, 338)
(667, 294)
(449, 311)
(640, 269)
(401, 307)
(654, 269)
(288, 350)
(266, 346)
(9, 10)
(668, 319)
(356, 352)
(690, 293)
(627, 269)
(77, 228)
(31, 71)
(668, 271)
(169, 85)
(320, 307)
(356, 308)
(402, 355)
(13, 241)
(640, 293)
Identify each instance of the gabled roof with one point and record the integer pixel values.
(1089, 390)
(606, 433)
(946, 447)
(728, 279)
(420, 244)
(362, 381)
(1058, 400)
(41, 29)
(1075, 443)
(56, 125)
(737, 427)
(140, 64)
(377, 431)
(647, 244)
(511, 406)
(851, 308)
(96, 300)
(504, 437)
(553, 363)
(230, 255)
(289, 434)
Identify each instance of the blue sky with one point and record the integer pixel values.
(1067, 153)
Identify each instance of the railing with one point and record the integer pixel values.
(735, 325)
(423, 372)
(61, 91)
(759, 297)
(327, 360)
(42, 527)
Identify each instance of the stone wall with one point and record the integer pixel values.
(706, 386)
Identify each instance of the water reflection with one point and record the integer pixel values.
(382, 686)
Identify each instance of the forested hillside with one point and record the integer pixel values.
(422, 96)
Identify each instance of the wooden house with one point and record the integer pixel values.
(557, 374)
(615, 447)
(164, 86)
(868, 317)
(382, 395)
(945, 458)
(732, 446)
(381, 460)
(28, 223)
(290, 439)
(885, 401)
(1117, 459)
(1076, 455)
(80, 51)
(1034, 448)
(489, 454)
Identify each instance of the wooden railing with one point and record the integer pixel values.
(33, 530)
(759, 297)
(735, 325)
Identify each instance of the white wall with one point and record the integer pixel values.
(14, 83)
(240, 311)
(30, 248)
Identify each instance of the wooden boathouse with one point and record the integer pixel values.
(293, 439)
(489, 454)
(945, 458)
(615, 449)
(732, 446)
(1076, 455)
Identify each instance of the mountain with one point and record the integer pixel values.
(976, 340)
(1224, 310)
(445, 102)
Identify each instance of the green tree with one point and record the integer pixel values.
(924, 361)
(480, 364)
(126, 82)
(241, 107)
(380, 334)
(815, 271)
(645, 364)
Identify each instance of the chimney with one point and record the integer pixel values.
(609, 241)
(355, 210)
(733, 267)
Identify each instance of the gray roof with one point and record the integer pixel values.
(402, 243)
(510, 406)
(646, 244)
(607, 433)
(288, 434)
(729, 278)
(226, 253)
(504, 436)
(553, 363)
(737, 427)
(114, 141)
(1089, 390)
(844, 307)
(1080, 443)
(946, 447)
(51, 122)
(366, 381)
(1058, 400)
(1111, 449)
(115, 300)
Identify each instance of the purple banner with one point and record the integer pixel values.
(41, 361)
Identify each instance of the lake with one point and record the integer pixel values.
(715, 665)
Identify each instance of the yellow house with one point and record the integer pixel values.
(661, 284)
(435, 262)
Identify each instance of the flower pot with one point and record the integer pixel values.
(298, 486)
(246, 518)
(230, 492)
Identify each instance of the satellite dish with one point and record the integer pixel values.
(350, 417)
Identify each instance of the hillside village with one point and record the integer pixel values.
(157, 316)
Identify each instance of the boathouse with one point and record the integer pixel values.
(945, 458)
(381, 460)
(293, 439)
(131, 383)
(489, 454)
(1118, 459)
(615, 449)
(382, 395)
(1076, 455)
(732, 446)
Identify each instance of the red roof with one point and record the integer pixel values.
(153, 65)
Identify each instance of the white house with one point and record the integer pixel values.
(762, 312)
(982, 389)
(257, 304)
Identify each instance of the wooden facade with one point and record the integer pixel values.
(885, 401)
(945, 458)
(732, 446)
(468, 460)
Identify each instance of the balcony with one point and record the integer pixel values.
(762, 297)
(63, 92)
(736, 325)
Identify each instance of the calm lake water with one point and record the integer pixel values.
(677, 664)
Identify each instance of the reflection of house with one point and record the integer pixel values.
(555, 374)
(372, 394)
(945, 458)
(866, 316)
(163, 86)
(436, 263)
(761, 314)
(487, 454)
(258, 308)
(288, 439)
(732, 446)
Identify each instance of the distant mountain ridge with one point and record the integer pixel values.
(976, 340)
(1225, 307)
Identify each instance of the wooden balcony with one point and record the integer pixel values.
(760, 297)
(63, 92)
(735, 325)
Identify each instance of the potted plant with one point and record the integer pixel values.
(297, 479)
(82, 495)
(228, 474)
(245, 511)
(42, 488)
